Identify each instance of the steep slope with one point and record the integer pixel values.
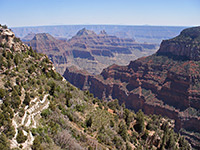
(186, 46)
(41, 110)
(89, 51)
(165, 83)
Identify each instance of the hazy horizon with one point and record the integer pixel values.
(23, 13)
(97, 25)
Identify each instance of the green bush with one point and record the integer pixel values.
(17, 59)
(2, 62)
(112, 124)
(89, 122)
(53, 88)
(31, 69)
(139, 126)
(37, 143)
(118, 142)
(80, 108)
(45, 113)
(4, 143)
(21, 138)
(15, 102)
(2, 93)
(16, 39)
(145, 135)
(114, 105)
(27, 99)
(123, 131)
(183, 144)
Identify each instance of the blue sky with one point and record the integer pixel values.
(17, 13)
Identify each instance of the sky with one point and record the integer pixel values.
(17, 13)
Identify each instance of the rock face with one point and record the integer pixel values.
(90, 51)
(165, 83)
(9, 41)
(185, 46)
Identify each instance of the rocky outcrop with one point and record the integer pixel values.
(9, 41)
(157, 84)
(185, 46)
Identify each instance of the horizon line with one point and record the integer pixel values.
(101, 25)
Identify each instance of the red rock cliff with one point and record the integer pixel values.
(165, 83)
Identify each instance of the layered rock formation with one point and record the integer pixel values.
(165, 83)
(90, 51)
(185, 46)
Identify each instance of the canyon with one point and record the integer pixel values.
(165, 83)
(39, 109)
(89, 51)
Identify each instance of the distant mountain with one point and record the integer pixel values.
(149, 34)
(39, 110)
(45, 43)
(28, 37)
(90, 51)
(165, 83)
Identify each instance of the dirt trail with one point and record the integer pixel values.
(29, 121)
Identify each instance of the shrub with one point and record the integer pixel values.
(17, 59)
(2, 93)
(68, 103)
(183, 144)
(145, 135)
(68, 95)
(45, 113)
(118, 142)
(112, 124)
(139, 126)
(27, 99)
(53, 87)
(4, 143)
(31, 69)
(128, 116)
(9, 130)
(21, 111)
(80, 108)
(2, 62)
(123, 131)
(16, 39)
(89, 122)
(37, 143)
(18, 81)
(15, 102)
(9, 64)
(113, 104)
(21, 138)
